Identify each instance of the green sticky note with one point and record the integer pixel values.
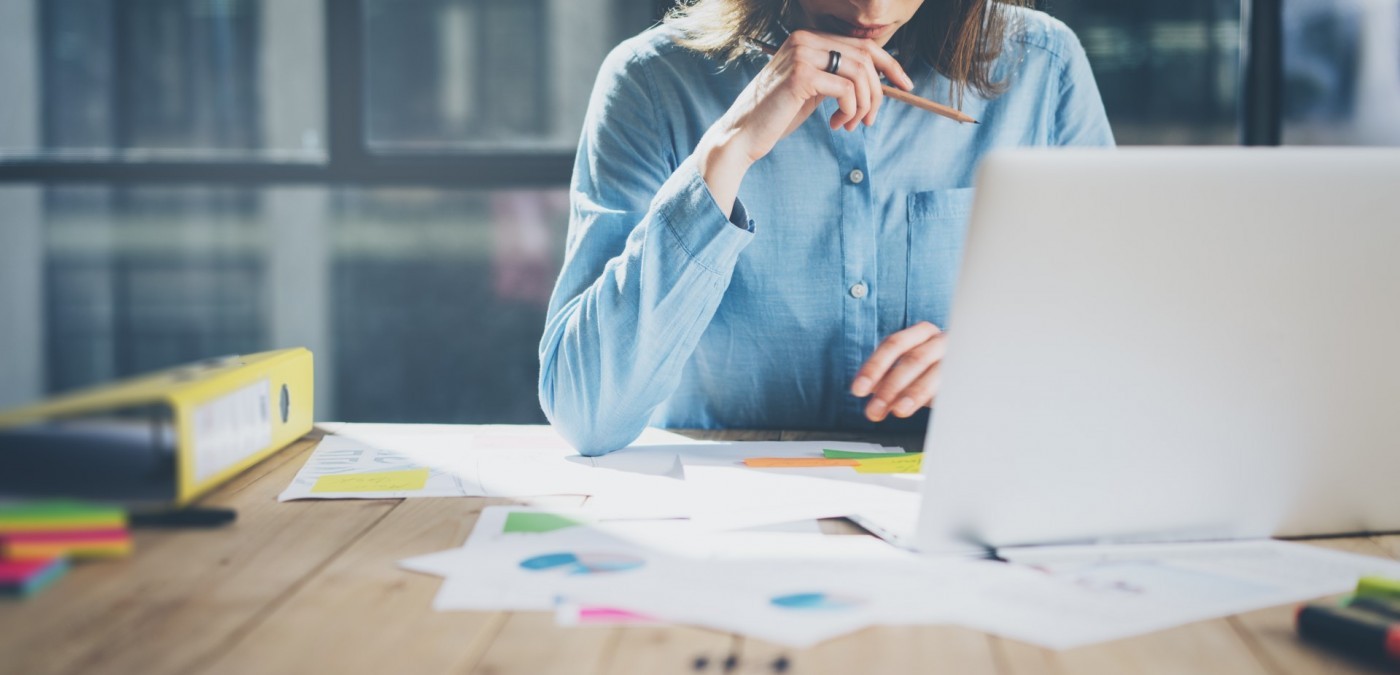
(848, 454)
(59, 515)
(911, 462)
(378, 481)
(536, 523)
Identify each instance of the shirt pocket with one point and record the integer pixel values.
(937, 233)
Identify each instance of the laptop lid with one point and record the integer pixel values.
(1169, 344)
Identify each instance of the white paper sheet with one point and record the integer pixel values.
(1076, 597)
(719, 492)
(799, 589)
(476, 461)
(525, 461)
(722, 497)
(492, 519)
(490, 527)
(497, 569)
(646, 480)
(745, 598)
(493, 571)
(800, 592)
(1107, 592)
(792, 589)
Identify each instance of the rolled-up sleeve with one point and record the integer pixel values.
(649, 257)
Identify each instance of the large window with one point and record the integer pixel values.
(1169, 72)
(165, 79)
(383, 181)
(421, 304)
(446, 75)
(1341, 72)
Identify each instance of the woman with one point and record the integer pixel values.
(765, 242)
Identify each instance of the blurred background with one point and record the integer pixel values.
(384, 181)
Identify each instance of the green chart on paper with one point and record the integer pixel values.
(536, 523)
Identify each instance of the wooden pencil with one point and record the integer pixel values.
(894, 93)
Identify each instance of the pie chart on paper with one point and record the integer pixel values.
(819, 602)
(582, 563)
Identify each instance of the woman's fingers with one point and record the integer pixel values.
(906, 387)
(881, 59)
(889, 351)
(841, 89)
(901, 376)
(819, 56)
(920, 393)
(864, 90)
(859, 69)
(855, 65)
(794, 82)
(896, 391)
(877, 95)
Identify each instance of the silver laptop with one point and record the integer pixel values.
(1172, 344)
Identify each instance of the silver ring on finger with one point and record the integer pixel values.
(834, 64)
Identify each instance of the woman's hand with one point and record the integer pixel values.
(902, 375)
(783, 96)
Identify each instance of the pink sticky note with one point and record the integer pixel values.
(20, 571)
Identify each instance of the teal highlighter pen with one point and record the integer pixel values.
(1351, 629)
(1382, 607)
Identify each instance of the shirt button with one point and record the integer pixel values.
(856, 176)
(859, 290)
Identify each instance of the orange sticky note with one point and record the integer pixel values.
(69, 544)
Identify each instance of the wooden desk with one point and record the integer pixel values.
(312, 587)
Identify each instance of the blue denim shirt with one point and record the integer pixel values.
(666, 313)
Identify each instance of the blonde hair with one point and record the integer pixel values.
(960, 38)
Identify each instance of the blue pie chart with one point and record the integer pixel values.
(582, 563)
(819, 602)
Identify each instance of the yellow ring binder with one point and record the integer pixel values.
(169, 437)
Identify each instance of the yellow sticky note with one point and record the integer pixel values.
(379, 481)
(911, 463)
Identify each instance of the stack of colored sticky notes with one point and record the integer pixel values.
(37, 539)
(1366, 624)
(39, 530)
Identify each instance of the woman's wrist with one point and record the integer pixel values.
(723, 159)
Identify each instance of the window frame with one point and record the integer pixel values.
(349, 161)
(1261, 87)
